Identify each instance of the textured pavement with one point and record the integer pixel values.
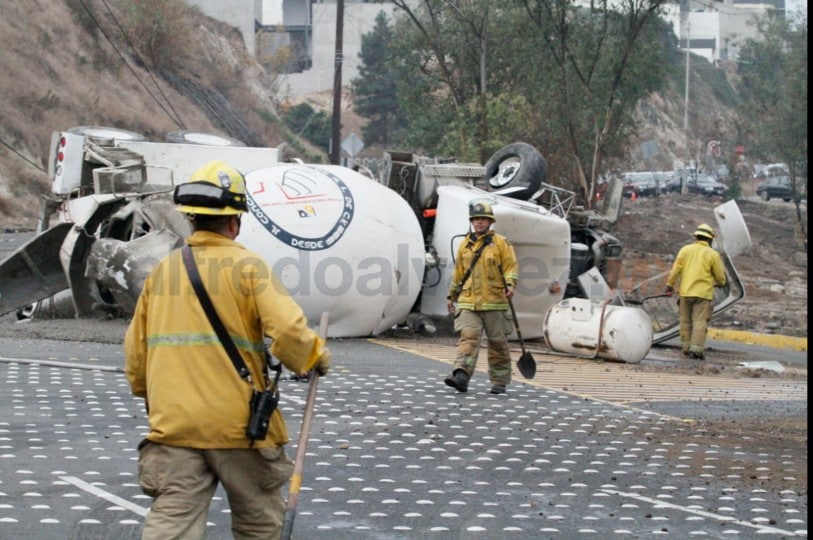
(394, 453)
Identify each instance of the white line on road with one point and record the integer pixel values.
(81, 484)
(92, 367)
(55, 363)
(727, 519)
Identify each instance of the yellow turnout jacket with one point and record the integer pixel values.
(484, 288)
(173, 358)
(699, 268)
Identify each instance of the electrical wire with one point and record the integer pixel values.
(177, 117)
(96, 22)
(4, 143)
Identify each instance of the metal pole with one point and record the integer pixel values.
(686, 91)
(337, 87)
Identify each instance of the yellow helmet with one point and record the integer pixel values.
(216, 189)
(480, 208)
(704, 231)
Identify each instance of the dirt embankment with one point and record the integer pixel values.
(774, 271)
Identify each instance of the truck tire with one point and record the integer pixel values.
(106, 135)
(516, 170)
(198, 137)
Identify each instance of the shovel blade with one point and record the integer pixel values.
(527, 365)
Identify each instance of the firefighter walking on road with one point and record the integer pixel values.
(484, 279)
(205, 427)
(699, 268)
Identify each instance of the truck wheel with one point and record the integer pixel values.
(516, 171)
(197, 137)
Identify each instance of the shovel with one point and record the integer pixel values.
(302, 445)
(526, 363)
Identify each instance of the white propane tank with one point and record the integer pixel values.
(340, 243)
(589, 329)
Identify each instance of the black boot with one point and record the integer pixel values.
(459, 379)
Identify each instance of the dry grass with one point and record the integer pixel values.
(59, 69)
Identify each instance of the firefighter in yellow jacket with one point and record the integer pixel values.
(483, 281)
(700, 269)
(197, 403)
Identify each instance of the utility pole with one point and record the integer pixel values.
(686, 90)
(335, 139)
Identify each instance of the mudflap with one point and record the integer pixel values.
(33, 271)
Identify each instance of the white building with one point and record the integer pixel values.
(714, 30)
(717, 30)
(359, 19)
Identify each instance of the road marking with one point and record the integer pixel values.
(55, 363)
(93, 367)
(102, 494)
(775, 341)
(727, 519)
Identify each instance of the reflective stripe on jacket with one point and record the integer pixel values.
(174, 359)
(699, 268)
(484, 289)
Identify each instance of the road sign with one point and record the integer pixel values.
(352, 145)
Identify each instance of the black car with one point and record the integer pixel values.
(705, 185)
(775, 187)
(642, 184)
(672, 185)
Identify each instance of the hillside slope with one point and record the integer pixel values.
(67, 64)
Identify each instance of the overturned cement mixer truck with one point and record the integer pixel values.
(374, 251)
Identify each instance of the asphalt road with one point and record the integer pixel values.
(393, 453)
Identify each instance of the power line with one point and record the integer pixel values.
(4, 143)
(174, 119)
(135, 51)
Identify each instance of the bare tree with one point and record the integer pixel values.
(592, 48)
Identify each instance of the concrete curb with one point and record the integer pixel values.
(766, 340)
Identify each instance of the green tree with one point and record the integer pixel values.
(310, 124)
(446, 76)
(480, 74)
(603, 60)
(773, 83)
(375, 88)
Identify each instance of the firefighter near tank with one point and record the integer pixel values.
(699, 268)
(482, 285)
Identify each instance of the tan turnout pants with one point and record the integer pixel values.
(183, 480)
(695, 314)
(497, 325)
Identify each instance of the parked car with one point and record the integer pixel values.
(642, 184)
(775, 187)
(672, 185)
(705, 185)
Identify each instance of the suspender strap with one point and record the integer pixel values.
(474, 259)
(211, 314)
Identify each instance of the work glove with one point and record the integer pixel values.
(669, 290)
(323, 364)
